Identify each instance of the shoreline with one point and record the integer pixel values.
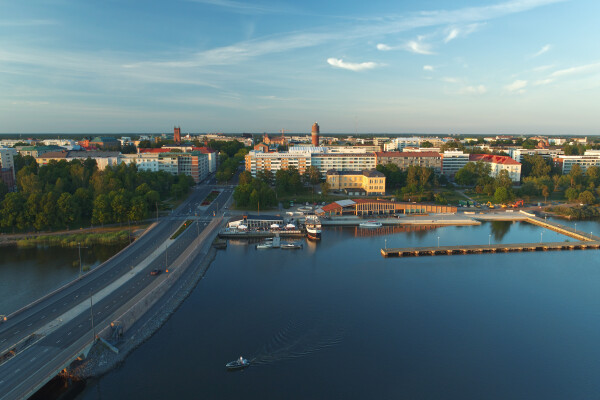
(101, 360)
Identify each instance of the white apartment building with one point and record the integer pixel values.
(258, 161)
(518, 154)
(7, 166)
(498, 164)
(343, 161)
(591, 158)
(402, 142)
(194, 164)
(452, 161)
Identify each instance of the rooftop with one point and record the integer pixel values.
(491, 158)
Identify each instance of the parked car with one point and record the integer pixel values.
(155, 272)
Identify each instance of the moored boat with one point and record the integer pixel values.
(291, 246)
(264, 246)
(238, 364)
(313, 227)
(370, 224)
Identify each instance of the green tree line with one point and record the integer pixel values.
(64, 194)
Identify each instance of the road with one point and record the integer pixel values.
(53, 335)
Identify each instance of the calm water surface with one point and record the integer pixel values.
(29, 273)
(336, 320)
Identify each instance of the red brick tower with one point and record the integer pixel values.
(177, 134)
(315, 134)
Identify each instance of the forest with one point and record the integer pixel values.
(65, 195)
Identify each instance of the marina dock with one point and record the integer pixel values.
(584, 241)
(481, 249)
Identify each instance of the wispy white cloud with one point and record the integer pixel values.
(449, 79)
(541, 51)
(245, 7)
(475, 90)
(383, 47)
(418, 47)
(542, 68)
(453, 34)
(339, 63)
(428, 68)
(561, 73)
(517, 86)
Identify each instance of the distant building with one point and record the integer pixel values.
(36, 151)
(177, 134)
(405, 159)
(314, 134)
(357, 183)
(105, 143)
(452, 161)
(498, 164)
(591, 158)
(520, 153)
(7, 167)
(261, 147)
(195, 163)
(103, 158)
(276, 140)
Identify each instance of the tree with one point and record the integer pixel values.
(102, 211)
(586, 197)
(325, 188)
(571, 194)
(265, 176)
(426, 144)
(12, 210)
(502, 195)
(312, 175)
(245, 178)
(545, 193)
(120, 207)
(65, 206)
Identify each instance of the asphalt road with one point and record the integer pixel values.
(40, 358)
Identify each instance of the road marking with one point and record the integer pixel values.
(33, 359)
(58, 341)
(29, 324)
(54, 310)
(17, 370)
(105, 307)
(68, 333)
(45, 350)
(3, 340)
(43, 316)
(64, 304)
(80, 325)
(17, 332)
(1, 382)
(77, 296)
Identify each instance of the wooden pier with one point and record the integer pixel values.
(584, 241)
(482, 249)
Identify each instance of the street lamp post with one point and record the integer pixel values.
(490, 239)
(541, 236)
(438, 241)
(385, 243)
(92, 313)
(79, 248)
(575, 226)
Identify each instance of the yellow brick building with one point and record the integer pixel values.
(366, 182)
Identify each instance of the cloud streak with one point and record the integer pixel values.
(339, 63)
(473, 90)
(517, 86)
(541, 51)
(418, 47)
(244, 8)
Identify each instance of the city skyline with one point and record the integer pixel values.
(487, 67)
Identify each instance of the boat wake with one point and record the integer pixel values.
(297, 340)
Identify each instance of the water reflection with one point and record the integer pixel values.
(499, 229)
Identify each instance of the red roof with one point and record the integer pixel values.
(157, 150)
(493, 159)
(331, 207)
(204, 150)
(407, 154)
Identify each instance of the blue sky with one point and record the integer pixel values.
(513, 67)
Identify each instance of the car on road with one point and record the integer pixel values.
(155, 272)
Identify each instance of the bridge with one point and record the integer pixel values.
(41, 339)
